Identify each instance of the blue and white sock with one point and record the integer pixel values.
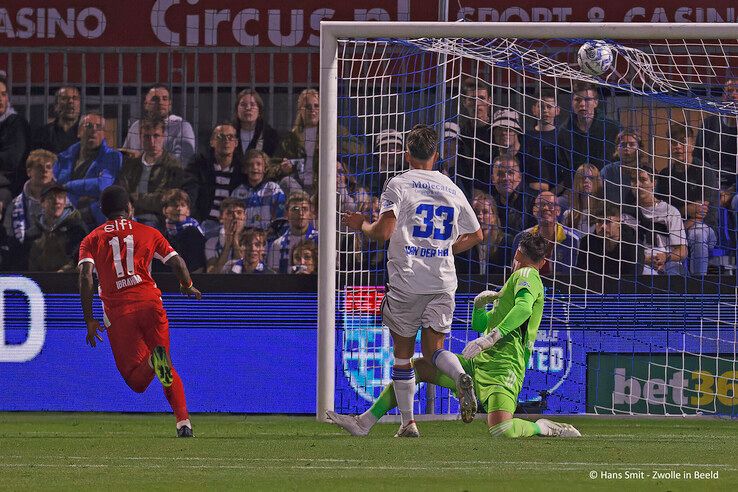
(404, 382)
(448, 363)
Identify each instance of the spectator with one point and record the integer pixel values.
(541, 147)
(14, 142)
(298, 169)
(253, 247)
(264, 199)
(351, 197)
(254, 133)
(584, 196)
(476, 133)
(147, 177)
(361, 252)
(612, 248)
(300, 226)
(618, 175)
(62, 230)
(506, 133)
(450, 148)
(587, 136)
(692, 188)
(88, 167)
(660, 229)
(22, 223)
(494, 253)
(305, 258)
(717, 144)
(63, 131)
(514, 207)
(565, 242)
(182, 231)
(226, 244)
(179, 137)
(214, 175)
(390, 152)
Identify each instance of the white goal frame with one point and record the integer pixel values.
(331, 32)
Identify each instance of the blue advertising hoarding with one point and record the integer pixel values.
(255, 352)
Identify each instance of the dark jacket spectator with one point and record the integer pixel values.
(164, 175)
(15, 139)
(57, 249)
(612, 250)
(22, 219)
(587, 136)
(252, 131)
(213, 175)
(182, 231)
(60, 134)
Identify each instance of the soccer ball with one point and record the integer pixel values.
(595, 57)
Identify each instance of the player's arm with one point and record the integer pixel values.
(467, 241)
(518, 315)
(178, 266)
(86, 289)
(381, 230)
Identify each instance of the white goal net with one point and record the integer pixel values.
(630, 172)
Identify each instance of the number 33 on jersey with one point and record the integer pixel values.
(121, 251)
(431, 213)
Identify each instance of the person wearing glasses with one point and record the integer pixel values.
(300, 227)
(180, 139)
(298, 169)
(88, 167)
(565, 242)
(213, 176)
(61, 133)
(253, 132)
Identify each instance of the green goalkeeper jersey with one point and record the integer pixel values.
(517, 313)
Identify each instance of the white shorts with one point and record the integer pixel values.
(404, 314)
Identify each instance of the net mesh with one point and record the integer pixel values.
(633, 171)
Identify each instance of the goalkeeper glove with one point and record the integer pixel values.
(476, 347)
(484, 298)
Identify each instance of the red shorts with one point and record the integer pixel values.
(134, 335)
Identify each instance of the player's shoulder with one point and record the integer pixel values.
(528, 277)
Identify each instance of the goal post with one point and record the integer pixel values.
(377, 76)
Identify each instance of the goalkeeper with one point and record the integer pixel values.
(497, 360)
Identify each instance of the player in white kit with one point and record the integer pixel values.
(427, 220)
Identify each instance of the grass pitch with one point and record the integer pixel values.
(135, 452)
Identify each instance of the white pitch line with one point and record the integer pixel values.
(434, 463)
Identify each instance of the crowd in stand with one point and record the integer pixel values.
(245, 202)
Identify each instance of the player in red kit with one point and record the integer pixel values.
(121, 252)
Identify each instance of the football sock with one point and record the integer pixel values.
(384, 404)
(515, 428)
(448, 363)
(176, 397)
(404, 380)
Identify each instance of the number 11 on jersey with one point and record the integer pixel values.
(117, 261)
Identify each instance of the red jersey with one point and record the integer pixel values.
(121, 251)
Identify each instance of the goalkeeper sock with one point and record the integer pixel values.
(448, 363)
(404, 382)
(514, 428)
(380, 408)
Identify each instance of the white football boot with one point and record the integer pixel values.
(557, 429)
(349, 422)
(408, 430)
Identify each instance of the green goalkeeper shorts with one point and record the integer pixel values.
(493, 397)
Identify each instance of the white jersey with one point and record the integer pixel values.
(431, 212)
